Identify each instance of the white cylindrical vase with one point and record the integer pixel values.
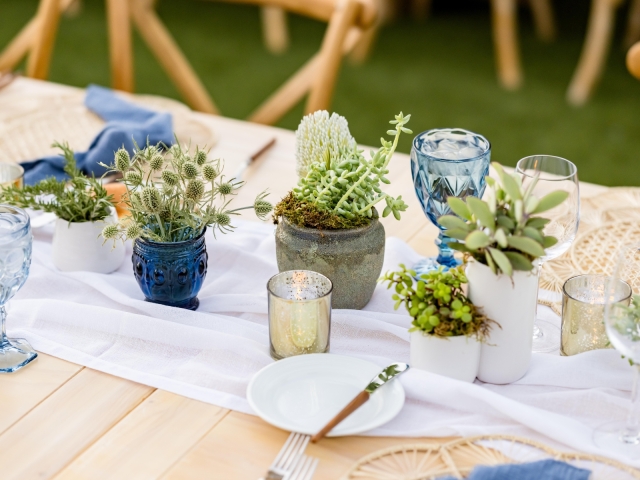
(78, 246)
(511, 302)
(454, 357)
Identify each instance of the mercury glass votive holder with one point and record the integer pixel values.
(11, 174)
(583, 302)
(299, 313)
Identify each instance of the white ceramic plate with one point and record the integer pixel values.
(302, 393)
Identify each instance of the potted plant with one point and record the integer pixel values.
(83, 208)
(171, 196)
(328, 223)
(447, 329)
(504, 237)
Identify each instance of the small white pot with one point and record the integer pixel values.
(79, 246)
(454, 357)
(510, 301)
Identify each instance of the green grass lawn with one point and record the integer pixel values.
(441, 71)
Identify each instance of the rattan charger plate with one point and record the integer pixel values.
(29, 133)
(459, 457)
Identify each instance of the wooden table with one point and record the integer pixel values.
(64, 421)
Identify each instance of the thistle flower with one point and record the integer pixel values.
(209, 173)
(133, 178)
(122, 160)
(317, 134)
(110, 232)
(225, 188)
(200, 157)
(190, 170)
(222, 219)
(170, 178)
(261, 206)
(151, 199)
(195, 190)
(133, 231)
(156, 162)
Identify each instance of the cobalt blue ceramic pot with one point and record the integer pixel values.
(171, 273)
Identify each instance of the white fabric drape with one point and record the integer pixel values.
(102, 322)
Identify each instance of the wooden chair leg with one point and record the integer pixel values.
(362, 50)
(505, 37)
(632, 35)
(594, 51)
(18, 48)
(275, 29)
(544, 19)
(120, 45)
(170, 57)
(39, 59)
(331, 55)
(633, 60)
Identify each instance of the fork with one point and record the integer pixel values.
(289, 456)
(304, 469)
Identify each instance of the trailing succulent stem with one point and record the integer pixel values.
(437, 303)
(172, 195)
(78, 199)
(344, 183)
(504, 231)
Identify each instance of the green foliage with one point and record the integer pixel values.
(310, 216)
(347, 184)
(437, 303)
(627, 319)
(79, 199)
(503, 231)
(171, 195)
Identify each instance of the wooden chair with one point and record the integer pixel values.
(633, 60)
(347, 19)
(596, 46)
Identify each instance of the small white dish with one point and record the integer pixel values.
(302, 393)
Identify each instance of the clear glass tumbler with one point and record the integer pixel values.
(15, 259)
(299, 313)
(448, 162)
(11, 174)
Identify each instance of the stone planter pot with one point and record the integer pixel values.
(78, 246)
(171, 273)
(351, 259)
(453, 357)
(506, 352)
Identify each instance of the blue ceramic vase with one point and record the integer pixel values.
(171, 273)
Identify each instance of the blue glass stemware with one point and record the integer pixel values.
(447, 162)
(15, 259)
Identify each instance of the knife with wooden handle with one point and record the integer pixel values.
(376, 382)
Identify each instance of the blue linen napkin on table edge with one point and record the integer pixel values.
(543, 469)
(126, 122)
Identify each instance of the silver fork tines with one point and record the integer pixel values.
(304, 469)
(288, 456)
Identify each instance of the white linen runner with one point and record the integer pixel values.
(103, 322)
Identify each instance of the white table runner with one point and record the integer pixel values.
(102, 322)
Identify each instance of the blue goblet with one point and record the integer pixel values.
(15, 260)
(447, 162)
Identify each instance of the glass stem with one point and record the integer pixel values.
(445, 252)
(537, 332)
(631, 433)
(3, 317)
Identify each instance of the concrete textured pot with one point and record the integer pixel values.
(352, 258)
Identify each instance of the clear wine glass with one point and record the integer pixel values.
(15, 259)
(553, 173)
(622, 323)
(447, 162)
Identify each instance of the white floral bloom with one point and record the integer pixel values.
(317, 133)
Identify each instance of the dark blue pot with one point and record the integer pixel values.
(171, 273)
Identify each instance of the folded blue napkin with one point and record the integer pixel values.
(542, 470)
(126, 122)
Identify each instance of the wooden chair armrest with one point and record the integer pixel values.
(633, 60)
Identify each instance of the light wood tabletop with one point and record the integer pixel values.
(64, 421)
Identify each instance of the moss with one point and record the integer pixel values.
(308, 215)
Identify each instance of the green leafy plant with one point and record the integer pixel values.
(504, 232)
(341, 186)
(171, 195)
(437, 303)
(627, 319)
(77, 199)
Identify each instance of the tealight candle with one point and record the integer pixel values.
(299, 313)
(11, 174)
(583, 302)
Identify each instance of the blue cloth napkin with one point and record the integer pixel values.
(544, 469)
(126, 122)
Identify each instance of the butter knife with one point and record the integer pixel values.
(387, 374)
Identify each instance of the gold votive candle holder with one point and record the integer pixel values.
(583, 301)
(11, 174)
(299, 313)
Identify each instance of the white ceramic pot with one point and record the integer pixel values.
(454, 357)
(510, 301)
(79, 246)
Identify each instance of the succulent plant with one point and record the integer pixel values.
(504, 231)
(437, 303)
(171, 195)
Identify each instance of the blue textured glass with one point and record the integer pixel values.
(447, 163)
(15, 260)
(171, 273)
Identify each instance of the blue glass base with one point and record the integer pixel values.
(430, 264)
(191, 304)
(15, 353)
